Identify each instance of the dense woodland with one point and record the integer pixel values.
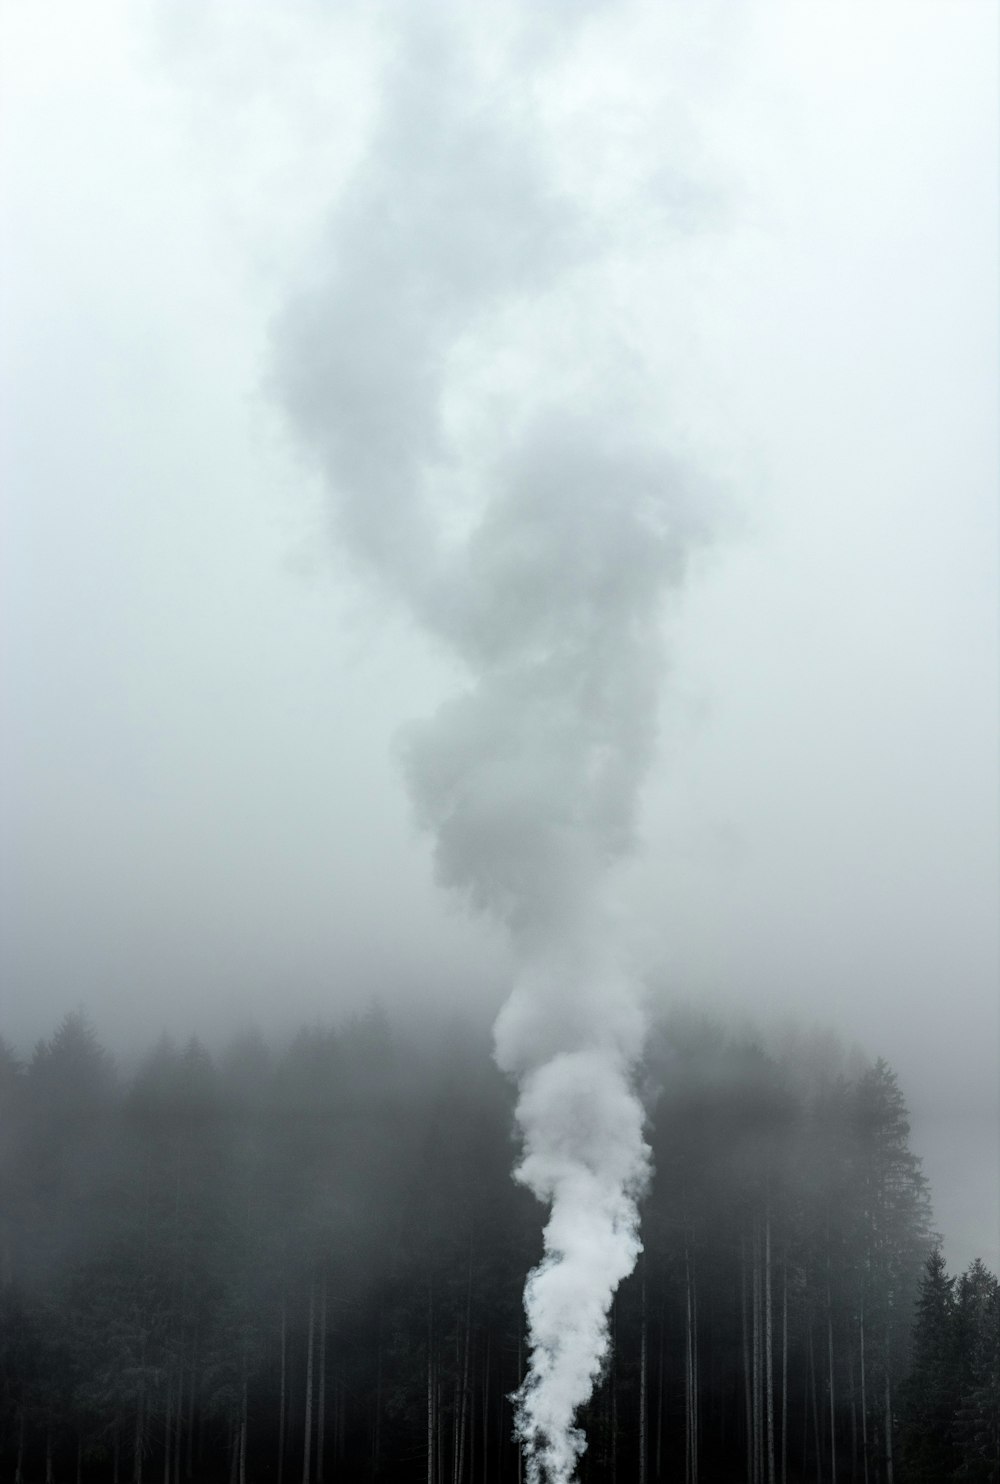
(305, 1265)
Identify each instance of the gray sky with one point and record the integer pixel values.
(785, 226)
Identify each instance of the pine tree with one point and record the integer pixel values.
(930, 1394)
(977, 1420)
(894, 1239)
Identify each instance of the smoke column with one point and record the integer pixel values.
(534, 533)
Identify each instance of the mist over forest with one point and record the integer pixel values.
(500, 521)
(306, 1261)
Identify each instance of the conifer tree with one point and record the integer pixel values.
(977, 1419)
(930, 1394)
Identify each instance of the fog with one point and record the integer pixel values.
(766, 249)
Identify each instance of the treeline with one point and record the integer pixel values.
(951, 1402)
(306, 1264)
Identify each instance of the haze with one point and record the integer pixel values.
(790, 224)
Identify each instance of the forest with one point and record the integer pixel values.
(304, 1263)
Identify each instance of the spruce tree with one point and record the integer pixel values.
(977, 1420)
(930, 1395)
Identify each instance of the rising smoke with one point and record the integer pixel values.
(483, 467)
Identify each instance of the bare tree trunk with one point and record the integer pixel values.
(659, 1391)
(485, 1426)
(283, 1391)
(179, 1413)
(48, 1453)
(439, 1450)
(321, 1393)
(849, 1353)
(758, 1365)
(768, 1350)
(472, 1417)
(829, 1349)
(430, 1386)
(747, 1372)
(308, 1424)
(696, 1412)
(642, 1380)
(613, 1389)
(805, 1430)
(139, 1442)
(167, 1418)
(688, 1374)
(463, 1385)
(19, 1465)
(864, 1394)
(815, 1406)
(377, 1420)
(888, 1416)
(784, 1369)
(189, 1456)
(243, 1433)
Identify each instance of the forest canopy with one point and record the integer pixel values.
(306, 1262)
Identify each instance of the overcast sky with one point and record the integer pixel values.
(784, 220)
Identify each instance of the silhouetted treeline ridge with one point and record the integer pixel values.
(306, 1264)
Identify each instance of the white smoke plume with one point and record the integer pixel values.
(535, 533)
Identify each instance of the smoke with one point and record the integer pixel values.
(483, 463)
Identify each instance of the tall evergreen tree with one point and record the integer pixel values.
(894, 1240)
(977, 1417)
(929, 1397)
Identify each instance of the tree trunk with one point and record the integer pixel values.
(747, 1371)
(688, 1375)
(472, 1417)
(613, 1390)
(815, 1406)
(243, 1434)
(642, 1378)
(321, 1394)
(784, 1369)
(140, 1438)
(768, 1350)
(430, 1386)
(758, 1367)
(805, 1430)
(659, 1390)
(19, 1465)
(167, 1420)
(849, 1353)
(179, 1428)
(308, 1425)
(377, 1419)
(695, 1379)
(485, 1424)
(833, 1400)
(189, 1453)
(864, 1394)
(282, 1391)
(461, 1410)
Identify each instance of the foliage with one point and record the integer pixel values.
(285, 1263)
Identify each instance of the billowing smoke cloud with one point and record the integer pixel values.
(535, 537)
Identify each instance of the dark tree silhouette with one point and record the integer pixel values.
(306, 1264)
